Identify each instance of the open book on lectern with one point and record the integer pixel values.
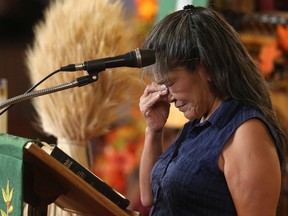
(85, 174)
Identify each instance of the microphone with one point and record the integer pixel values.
(136, 58)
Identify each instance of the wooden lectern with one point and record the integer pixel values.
(47, 181)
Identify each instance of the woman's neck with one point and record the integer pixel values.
(215, 104)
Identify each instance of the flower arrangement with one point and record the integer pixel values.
(118, 152)
(273, 59)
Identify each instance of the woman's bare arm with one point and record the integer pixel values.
(252, 170)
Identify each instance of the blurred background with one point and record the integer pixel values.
(262, 25)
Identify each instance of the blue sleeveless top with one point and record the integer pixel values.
(186, 180)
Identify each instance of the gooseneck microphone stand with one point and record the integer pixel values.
(78, 82)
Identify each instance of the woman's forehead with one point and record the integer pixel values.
(165, 78)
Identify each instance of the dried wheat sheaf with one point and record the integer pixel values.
(73, 31)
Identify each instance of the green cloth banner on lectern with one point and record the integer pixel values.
(11, 170)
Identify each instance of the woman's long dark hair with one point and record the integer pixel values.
(185, 37)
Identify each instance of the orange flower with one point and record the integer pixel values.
(268, 54)
(282, 32)
(119, 151)
(146, 9)
(115, 166)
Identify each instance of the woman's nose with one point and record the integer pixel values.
(171, 98)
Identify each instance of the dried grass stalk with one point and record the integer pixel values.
(71, 32)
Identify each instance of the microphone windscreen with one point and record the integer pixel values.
(147, 57)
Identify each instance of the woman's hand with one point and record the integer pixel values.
(155, 106)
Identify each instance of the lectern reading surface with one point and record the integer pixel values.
(48, 181)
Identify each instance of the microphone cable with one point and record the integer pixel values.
(33, 87)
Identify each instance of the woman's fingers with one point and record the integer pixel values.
(152, 94)
(152, 88)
